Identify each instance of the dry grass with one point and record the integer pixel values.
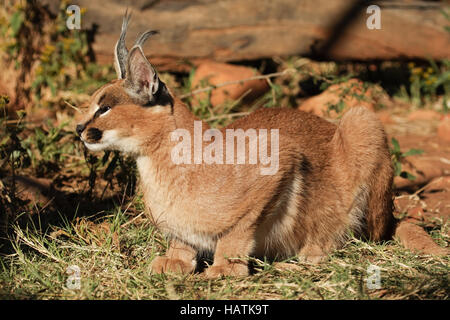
(114, 254)
(100, 227)
(95, 218)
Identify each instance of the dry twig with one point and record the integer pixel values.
(265, 76)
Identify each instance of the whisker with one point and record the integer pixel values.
(73, 107)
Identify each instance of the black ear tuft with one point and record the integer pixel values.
(120, 50)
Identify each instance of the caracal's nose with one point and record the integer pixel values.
(80, 129)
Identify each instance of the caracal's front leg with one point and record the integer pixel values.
(180, 258)
(232, 250)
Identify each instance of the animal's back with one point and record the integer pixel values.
(311, 133)
(333, 189)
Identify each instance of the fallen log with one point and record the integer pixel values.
(237, 30)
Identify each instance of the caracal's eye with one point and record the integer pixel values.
(103, 110)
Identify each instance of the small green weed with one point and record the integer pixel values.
(398, 156)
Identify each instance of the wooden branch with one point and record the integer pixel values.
(265, 76)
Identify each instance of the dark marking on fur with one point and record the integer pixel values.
(161, 97)
(94, 134)
(100, 100)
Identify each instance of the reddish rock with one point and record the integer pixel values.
(404, 203)
(424, 115)
(438, 184)
(430, 205)
(385, 117)
(423, 168)
(415, 238)
(37, 190)
(444, 129)
(416, 213)
(214, 73)
(436, 195)
(352, 93)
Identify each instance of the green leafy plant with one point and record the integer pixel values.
(49, 146)
(397, 157)
(426, 81)
(273, 97)
(352, 90)
(13, 155)
(48, 56)
(63, 58)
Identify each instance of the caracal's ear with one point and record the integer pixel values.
(120, 50)
(142, 81)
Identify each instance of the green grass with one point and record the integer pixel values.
(100, 226)
(114, 254)
(103, 231)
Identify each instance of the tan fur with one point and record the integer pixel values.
(331, 180)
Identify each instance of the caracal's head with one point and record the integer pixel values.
(120, 113)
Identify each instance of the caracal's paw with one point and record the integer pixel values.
(165, 265)
(313, 259)
(235, 270)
